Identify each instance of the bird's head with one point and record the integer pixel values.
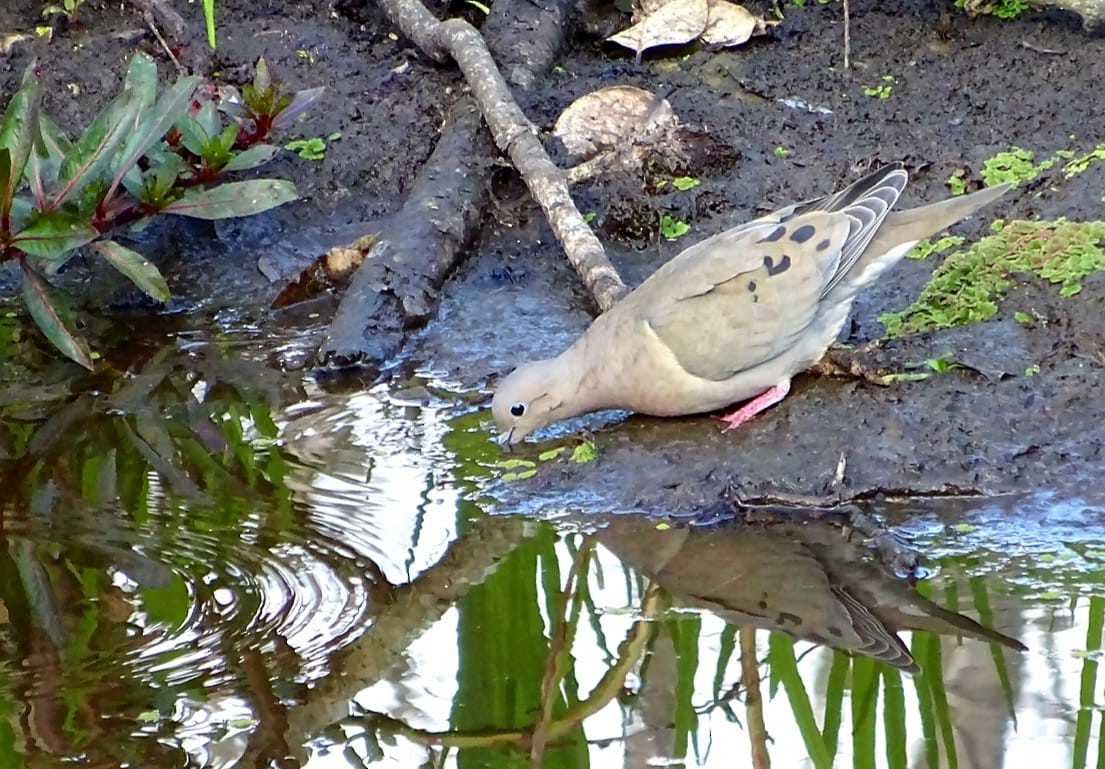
(526, 401)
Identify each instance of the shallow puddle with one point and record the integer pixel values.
(209, 562)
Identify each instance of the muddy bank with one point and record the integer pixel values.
(786, 123)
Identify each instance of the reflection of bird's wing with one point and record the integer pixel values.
(878, 641)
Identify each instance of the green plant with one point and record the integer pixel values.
(265, 108)
(67, 8)
(308, 149)
(927, 248)
(684, 183)
(969, 284)
(673, 228)
(957, 185)
(209, 21)
(881, 91)
(781, 152)
(144, 154)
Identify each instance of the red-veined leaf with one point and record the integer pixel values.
(17, 133)
(233, 199)
(52, 314)
(136, 267)
(52, 235)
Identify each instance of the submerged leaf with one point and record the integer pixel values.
(51, 313)
(136, 267)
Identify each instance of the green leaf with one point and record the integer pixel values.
(209, 18)
(141, 80)
(192, 135)
(255, 156)
(290, 108)
(684, 183)
(18, 131)
(584, 452)
(154, 123)
(545, 456)
(233, 199)
(53, 235)
(94, 151)
(51, 313)
(136, 267)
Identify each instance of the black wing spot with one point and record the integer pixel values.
(751, 285)
(803, 233)
(775, 234)
(824, 244)
(777, 269)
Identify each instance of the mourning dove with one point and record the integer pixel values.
(733, 317)
(809, 581)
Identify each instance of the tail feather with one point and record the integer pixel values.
(901, 230)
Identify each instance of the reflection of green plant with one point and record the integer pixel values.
(969, 285)
(144, 154)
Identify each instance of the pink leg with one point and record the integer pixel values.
(755, 406)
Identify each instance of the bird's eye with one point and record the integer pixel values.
(518, 409)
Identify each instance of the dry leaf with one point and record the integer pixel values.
(676, 23)
(730, 24)
(612, 118)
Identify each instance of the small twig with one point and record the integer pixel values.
(164, 45)
(847, 37)
(1038, 49)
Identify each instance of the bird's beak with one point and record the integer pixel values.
(503, 439)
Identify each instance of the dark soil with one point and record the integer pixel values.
(965, 90)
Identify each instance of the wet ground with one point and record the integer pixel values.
(212, 560)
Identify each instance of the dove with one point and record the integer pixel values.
(808, 580)
(734, 317)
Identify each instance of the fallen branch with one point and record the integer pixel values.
(378, 310)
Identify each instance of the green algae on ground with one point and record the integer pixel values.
(1018, 165)
(927, 248)
(969, 285)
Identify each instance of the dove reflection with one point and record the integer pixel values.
(804, 579)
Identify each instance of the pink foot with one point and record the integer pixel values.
(755, 406)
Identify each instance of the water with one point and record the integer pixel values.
(207, 562)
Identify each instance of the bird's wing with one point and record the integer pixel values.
(744, 296)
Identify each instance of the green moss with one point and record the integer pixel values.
(970, 284)
(1018, 165)
(1009, 9)
(927, 248)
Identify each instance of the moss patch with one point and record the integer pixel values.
(970, 284)
(1019, 165)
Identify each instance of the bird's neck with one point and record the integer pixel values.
(580, 380)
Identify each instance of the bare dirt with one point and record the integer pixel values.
(964, 89)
